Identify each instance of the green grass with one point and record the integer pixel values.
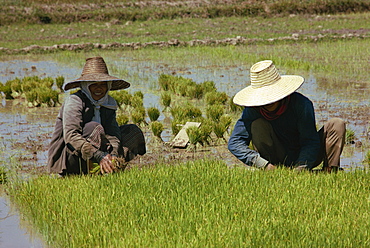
(200, 204)
(17, 36)
(67, 11)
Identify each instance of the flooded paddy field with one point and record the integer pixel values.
(30, 128)
(25, 132)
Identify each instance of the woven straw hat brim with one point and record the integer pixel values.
(259, 96)
(117, 83)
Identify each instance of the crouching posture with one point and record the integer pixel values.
(281, 125)
(86, 130)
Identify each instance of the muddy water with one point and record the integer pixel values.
(24, 132)
(14, 231)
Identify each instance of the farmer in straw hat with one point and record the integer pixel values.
(281, 125)
(86, 129)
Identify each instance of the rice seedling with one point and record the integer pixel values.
(208, 86)
(194, 91)
(59, 81)
(192, 204)
(220, 127)
(137, 101)
(214, 112)
(157, 129)
(165, 82)
(176, 126)
(122, 119)
(186, 112)
(153, 113)
(138, 115)
(139, 94)
(166, 99)
(350, 136)
(122, 97)
(195, 136)
(233, 107)
(205, 132)
(216, 97)
(6, 89)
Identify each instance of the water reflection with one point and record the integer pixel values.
(352, 105)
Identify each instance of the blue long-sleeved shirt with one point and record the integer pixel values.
(295, 128)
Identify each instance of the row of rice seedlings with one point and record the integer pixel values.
(181, 113)
(184, 86)
(37, 91)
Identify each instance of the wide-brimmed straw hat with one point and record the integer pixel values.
(95, 70)
(267, 85)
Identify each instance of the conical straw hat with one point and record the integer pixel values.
(95, 70)
(267, 85)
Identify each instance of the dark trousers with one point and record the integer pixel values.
(332, 138)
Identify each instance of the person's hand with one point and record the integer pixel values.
(270, 167)
(106, 164)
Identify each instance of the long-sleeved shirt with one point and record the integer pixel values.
(295, 128)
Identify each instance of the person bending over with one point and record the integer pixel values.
(281, 124)
(86, 130)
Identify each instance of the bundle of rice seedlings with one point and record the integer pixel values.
(122, 119)
(157, 129)
(220, 127)
(166, 99)
(214, 112)
(216, 97)
(59, 81)
(137, 101)
(138, 115)
(153, 113)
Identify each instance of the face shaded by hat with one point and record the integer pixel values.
(95, 70)
(267, 85)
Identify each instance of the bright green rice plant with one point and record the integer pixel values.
(195, 136)
(122, 119)
(181, 86)
(176, 126)
(194, 91)
(166, 99)
(59, 81)
(220, 127)
(139, 94)
(165, 82)
(7, 90)
(216, 97)
(138, 115)
(31, 97)
(153, 113)
(157, 129)
(126, 97)
(152, 206)
(233, 107)
(48, 96)
(16, 86)
(137, 101)
(214, 112)
(187, 112)
(205, 130)
(208, 86)
(350, 136)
